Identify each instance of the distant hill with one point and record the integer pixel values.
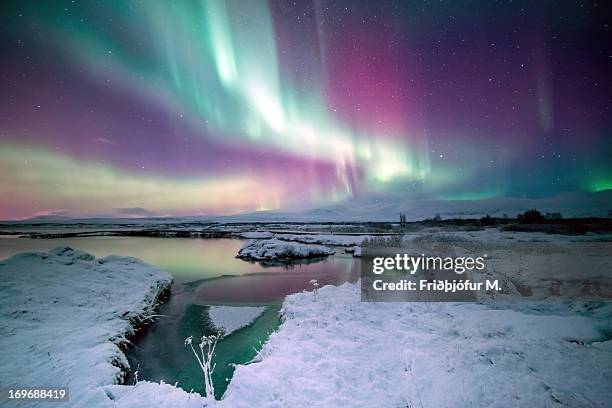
(382, 210)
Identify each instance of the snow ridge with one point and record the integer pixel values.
(65, 315)
(268, 249)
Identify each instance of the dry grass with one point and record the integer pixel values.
(387, 241)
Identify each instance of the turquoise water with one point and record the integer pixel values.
(205, 273)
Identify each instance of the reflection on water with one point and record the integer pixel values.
(266, 287)
(186, 259)
(206, 272)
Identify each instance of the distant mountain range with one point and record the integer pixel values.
(387, 209)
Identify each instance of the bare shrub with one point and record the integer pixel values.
(207, 351)
(387, 241)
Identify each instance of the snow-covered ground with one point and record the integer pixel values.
(330, 350)
(334, 350)
(232, 318)
(355, 251)
(338, 351)
(64, 314)
(535, 265)
(256, 235)
(146, 394)
(318, 239)
(271, 249)
(496, 236)
(323, 239)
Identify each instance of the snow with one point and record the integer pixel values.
(147, 394)
(370, 208)
(256, 235)
(323, 239)
(319, 239)
(493, 235)
(356, 251)
(529, 264)
(269, 249)
(64, 314)
(232, 318)
(338, 351)
(388, 207)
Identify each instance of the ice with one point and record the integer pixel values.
(232, 318)
(270, 249)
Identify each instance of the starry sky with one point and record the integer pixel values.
(142, 108)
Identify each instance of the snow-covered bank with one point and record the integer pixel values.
(307, 238)
(256, 235)
(338, 351)
(272, 249)
(323, 239)
(148, 394)
(64, 315)
(355, 251)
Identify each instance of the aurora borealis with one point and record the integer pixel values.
(123, 108)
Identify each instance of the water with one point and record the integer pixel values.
(205, 273)
(186, 259)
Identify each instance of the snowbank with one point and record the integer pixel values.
(63, 316)
(268, 249)
(147, 394)
(232, 318)
(355, 251)
(256, 235)
(338, 351)
(323, 239)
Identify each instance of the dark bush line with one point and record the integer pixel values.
(528, 221)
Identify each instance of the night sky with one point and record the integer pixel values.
(137, 108)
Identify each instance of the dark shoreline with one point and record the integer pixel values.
(139, 324)
(563, 226)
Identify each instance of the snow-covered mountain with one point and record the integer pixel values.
(388, 209)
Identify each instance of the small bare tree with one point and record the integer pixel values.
(315, 287)
(207, 351)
